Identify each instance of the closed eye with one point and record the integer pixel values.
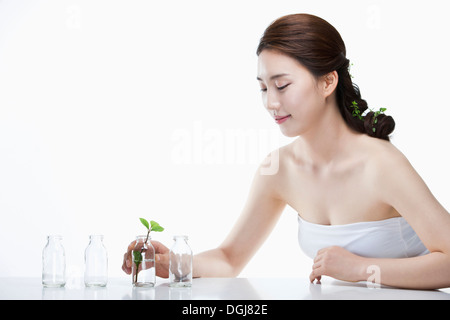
(283, 87)
(278, 88)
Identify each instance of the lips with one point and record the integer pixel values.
(281, 119)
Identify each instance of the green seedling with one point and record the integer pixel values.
(356, 112)
(137, 255)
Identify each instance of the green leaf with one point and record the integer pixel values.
(155, 226)
(137, 257)
(382, 109)
(145, 223)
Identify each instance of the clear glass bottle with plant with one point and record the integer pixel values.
(143, 269)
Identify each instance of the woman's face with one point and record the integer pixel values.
(290, 92)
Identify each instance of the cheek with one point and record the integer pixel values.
(302, 103)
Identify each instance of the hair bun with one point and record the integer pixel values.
(381, 127)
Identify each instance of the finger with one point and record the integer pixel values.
(162, 265)
(159, 247)
(127, 259)
(322, 251)
(131, 246)
(318, 258)
(317, 265)
(313, 276)
(162, 258)
(125, 267)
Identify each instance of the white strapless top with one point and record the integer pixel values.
(390, 238)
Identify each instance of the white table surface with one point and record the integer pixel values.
(213, 289)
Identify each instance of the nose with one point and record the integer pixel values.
(272, 101)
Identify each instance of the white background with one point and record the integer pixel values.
(115, 110)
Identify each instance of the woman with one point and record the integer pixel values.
(361, 205)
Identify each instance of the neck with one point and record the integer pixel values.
(326, 141)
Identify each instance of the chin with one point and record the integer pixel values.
(293, 130)
(296, 130)
(290, 133)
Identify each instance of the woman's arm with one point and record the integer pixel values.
(259, 216)
(401, 187)
(398, 184)
(430, 271)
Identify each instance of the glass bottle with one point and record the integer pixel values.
(143, 266)
(53, 263)
(180, 263)
(96, 263)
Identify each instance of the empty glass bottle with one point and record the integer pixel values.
(96, 263)
(53, 263)
(180, 263)
(143, 267)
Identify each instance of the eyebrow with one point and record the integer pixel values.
(274, 76)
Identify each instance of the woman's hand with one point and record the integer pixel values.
(338, 263)
(161, 259)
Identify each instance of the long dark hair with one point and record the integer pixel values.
(318, 46)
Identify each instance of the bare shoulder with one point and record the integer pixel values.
(400, 185)
(384, 157)
(275, 162)
(272, 171)
(392, 173)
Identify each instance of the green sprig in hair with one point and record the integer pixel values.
(356, 112)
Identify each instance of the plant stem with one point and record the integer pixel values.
(148, 233)
(135, 276)
(142, 249)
